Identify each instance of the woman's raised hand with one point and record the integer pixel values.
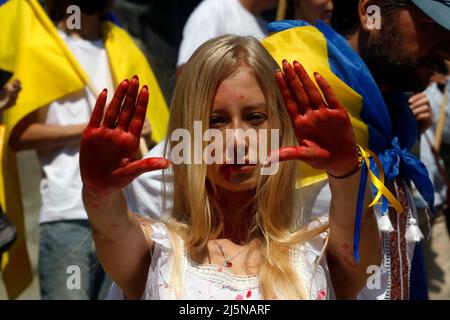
(323, 129)
(110, 143)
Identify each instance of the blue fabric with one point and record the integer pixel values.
(2, 2)
(391, 142)
(418, 285)
(286, 24)
(359, 211)
(111, 17)
(397, 159)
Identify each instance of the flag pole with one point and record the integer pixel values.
(281, 12)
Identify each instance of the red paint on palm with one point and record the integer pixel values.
(323, 129)
(109, 147)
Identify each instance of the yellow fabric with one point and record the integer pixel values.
(124, 66)
(308, 46)
(32, 49)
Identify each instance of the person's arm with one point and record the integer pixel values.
(107, 164)
(32, 133)
(349, 277)
(327, 142)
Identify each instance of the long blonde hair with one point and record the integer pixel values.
(194, 217)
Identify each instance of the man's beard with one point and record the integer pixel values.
(391, 69)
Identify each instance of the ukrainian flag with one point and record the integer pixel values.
(32, 49)
(320, 49)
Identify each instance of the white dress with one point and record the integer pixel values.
(217, 282)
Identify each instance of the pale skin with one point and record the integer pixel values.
(123, 247)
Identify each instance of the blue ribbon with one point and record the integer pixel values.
(359, 211)
(398, 161)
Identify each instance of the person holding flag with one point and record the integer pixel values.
(62, 68)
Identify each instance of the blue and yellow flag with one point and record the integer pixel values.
(32, 49)
(320, 49)
(308, 45)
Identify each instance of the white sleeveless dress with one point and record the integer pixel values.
(215, 282)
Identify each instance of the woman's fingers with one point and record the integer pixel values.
(114, 107)
(303, 153)
(97, 113)
(284, 154)
(291, 105)
(328, 92)
(296, 88)
(129, 105)
(315, 99)
(129, 117)
(138, 119)
(137, 168)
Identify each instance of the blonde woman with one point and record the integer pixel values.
(233, 233)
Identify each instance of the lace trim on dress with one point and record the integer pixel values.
(219, 274)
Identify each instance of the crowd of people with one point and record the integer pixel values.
(360, 116)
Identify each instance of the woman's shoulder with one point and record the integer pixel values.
(160, 240)
(157, 232)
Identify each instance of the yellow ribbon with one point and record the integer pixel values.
(378, 182)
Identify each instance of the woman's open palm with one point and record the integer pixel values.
(110, 143)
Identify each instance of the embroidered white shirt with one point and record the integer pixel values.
(213, 282)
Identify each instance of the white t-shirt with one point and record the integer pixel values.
(213, 18)
(215, 282)
(61, 183)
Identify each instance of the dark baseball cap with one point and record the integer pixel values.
(438, 10)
